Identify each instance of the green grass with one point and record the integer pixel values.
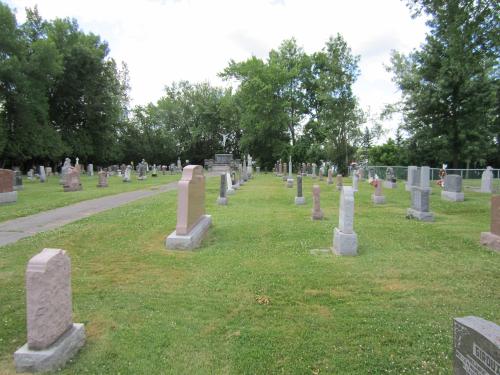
(151, 311)
(36, 197)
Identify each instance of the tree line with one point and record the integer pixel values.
(62, 95)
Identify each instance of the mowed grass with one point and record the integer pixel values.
(253, 299)
(36, 196)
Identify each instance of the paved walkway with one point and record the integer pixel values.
(13, 230)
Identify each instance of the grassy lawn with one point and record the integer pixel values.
(254, 299)
(37, 197)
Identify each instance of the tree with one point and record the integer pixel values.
(333, 107)
(449, 86)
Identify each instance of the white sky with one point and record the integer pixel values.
(164, 41)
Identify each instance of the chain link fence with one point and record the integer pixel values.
(471, 177)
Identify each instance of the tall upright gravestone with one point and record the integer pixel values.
(492, 238)
(192, 222)
(229, 184)
(7, 193)
(299, 199)
(411, 176)
(345, 240)
(476, 346)
(53, 338)
(317, 213)
(222, 200)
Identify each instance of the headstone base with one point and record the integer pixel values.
(242, 182)
(419, 215)
(236, 186)
(54, 357)
(74, 188)
(378, 199)
(8, 197)
(222, 201)
(230, 191)
(18, 187)
(102, 186)
(284, 177)
(314, 177)
(191, 240)
(300, 200)
(317, 215)
(390, 185)
(289, 183)
(452, 196)
(491, 240)
(345, 243)
(330, 182)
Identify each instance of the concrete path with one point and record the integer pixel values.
(13, 230)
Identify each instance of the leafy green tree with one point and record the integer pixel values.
(449, 85)
(333, 107)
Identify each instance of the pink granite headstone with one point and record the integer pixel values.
(317, 213)
(191, 198)
(6, 180)
(72, 179)
(48, 295)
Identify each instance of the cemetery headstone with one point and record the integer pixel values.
(73, 182)
(409, 179)
(345, 240)
(299, 199)
(229, 184)
(30, 174)
(355, 181)
(390, 179)
(48, 171)
(476, 346)
(222, 200)
(103, 179)
(65, 170)
(142, 170)
(7, 192)
(53, 338)
(154, 171)
(425, 173)
(491, 239)
(18, 180)
(127, 175)
(452, 188)
(192, 222)
(43, 176)
(313, 170)
(90, 169)
(487, 181)
(340, 182)
(377, 196)
(420, 196)
(330, 176)
(317, 213)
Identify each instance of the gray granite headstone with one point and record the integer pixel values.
(18, 180)
(410, 178)
(42, 175)
(476, 348)
(425, 174)
(299, 199)
(452, 188)
(222, 200)
(420, 204)
(487, 181)
(345, 240)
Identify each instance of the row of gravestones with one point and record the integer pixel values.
(231, 181)
(53, 338)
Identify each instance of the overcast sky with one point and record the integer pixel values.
(164, 41)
